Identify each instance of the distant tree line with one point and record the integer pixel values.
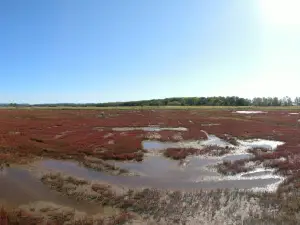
(187, 101)
(14, 105)
(210, 101)
(191, 101)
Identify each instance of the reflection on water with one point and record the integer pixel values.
(160, 172)
(237, 157)
(18, 186)
(250, 112)
(257, 174)
(160, 145)
(212, 141)
(260, 143)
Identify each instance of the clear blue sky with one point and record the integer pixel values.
(109, 50)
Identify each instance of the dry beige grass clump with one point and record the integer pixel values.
(48, 213)
(178, 207)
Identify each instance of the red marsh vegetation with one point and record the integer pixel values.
(76, 133)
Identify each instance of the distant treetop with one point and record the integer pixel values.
(191, 101)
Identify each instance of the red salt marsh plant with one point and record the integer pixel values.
(33, 132)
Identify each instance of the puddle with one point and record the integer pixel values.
(255, 174)
(153, 170)
(261, 174)
(293, 113)
(237, 157)
(195, 168)
(249, 112)
(19, 186)
(214, 140)
(237, 152)
(158, 145)
(240, 184)
(161, 167)
(160, 172)
(260, 143)
(259, 179)
(198, 144)
(150, 128)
